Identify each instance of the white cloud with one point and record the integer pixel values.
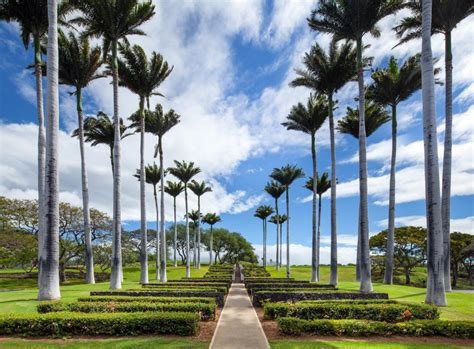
(463, 225)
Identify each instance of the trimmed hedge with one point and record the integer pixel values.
(252, 281)
(261, 297)
(254, 287)
(187, 285)
(206, 311)
(179, 288)
(163, 300)
(226, 281)
(376, 312)
(112, 324)
(350, 301)
(358, 328)
(218, 296)
(253, 270)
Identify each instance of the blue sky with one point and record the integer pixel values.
(232, 64)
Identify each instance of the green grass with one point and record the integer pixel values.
(312, 344)
(122, 343)
(460, 305)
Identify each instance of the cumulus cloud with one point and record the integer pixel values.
(463, 225)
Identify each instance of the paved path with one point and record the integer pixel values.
(238, 326)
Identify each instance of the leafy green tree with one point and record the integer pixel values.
(263, 212)
(18, 249)
(211, 219)
(174, 189)
(462, 253)
(276, 190)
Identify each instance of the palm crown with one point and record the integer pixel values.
(309, 118)
(152, 174)
(184, 171)
(275, 189)
(281, 219)
(287, 174)
(211, 219)
(263, 211)
(323, 184)
(199, 189)
(174, 188)
(375, 116)
(194, 215)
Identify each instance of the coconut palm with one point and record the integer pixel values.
(152, 176)
(78, 66)
(185, 171)
(286, 175)
(326, 73)
(390, 86)
(174, 189)
(446, 15)
(309, 119)
(100, 130)
(142, 77)
(211, 219)
(263, 212)
(114, 20)
(195, 216)
(199, 189)
(351, 20)
(276, 190)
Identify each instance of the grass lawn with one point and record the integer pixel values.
(460, 305)
(312, 344)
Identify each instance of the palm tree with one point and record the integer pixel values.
(199, 189)
(195, 216)
(351, 20)
(276, 190)
(159, 123)
(152, 176)
(211, 219)
(286, 175)
(282, 218)
(263, 212)
(100, 130)
(174, 189)
(446, 15)
(142, 77)
(113, 20)
(185, 171)
(308, 120)
(375, 116)
(326, 73)
(78, 65)
(391, 86)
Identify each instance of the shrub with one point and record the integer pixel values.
(115, 324)
(292, 296)
(357, 328)
(206, 311)
(351, 301)
(187, 285)
(163, 300)
(226, 281)
(183, 287)
(255, 287)
(377, 312)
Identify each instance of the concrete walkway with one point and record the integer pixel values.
(238, 325)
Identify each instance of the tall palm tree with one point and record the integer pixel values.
(282, 218)
(390, 86)
(309, 119)
(142, 77)
(351, 20)
(152, 176)
(199, 189)
(375, 116)
(446, 15)
(100, 130)
(286, 175)
(326, 73)
(185, 171)
(114, 20)
(195, 216)
(159, 123)
(174, 189)
(78, 66)
(263, 212)
(211, 219)
(323, 185)
(275, 189)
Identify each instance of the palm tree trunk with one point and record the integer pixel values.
(188, 261)
(157, 242)
(49, 276)
(281, 244)
(314, 249)
(448, 144)
(278, 235)
(41, 149)
(264, 221)
(318, 241)
(365, 273)
(388, 277)
(435, 291)
(143, 229)
(89, 258)
(163, 275)
(175, 262)
(199, 234)
(358, 247)
(288, 271)
(333, 280)
(210, 246)
(116, 275)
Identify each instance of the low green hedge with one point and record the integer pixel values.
(358, 328)
(350, 301)
(227, 281)
(218, 296)
(163, 300)
(254, 287)
(111, 324)
(376, 312)
(206, 311)
(182, 287)
(214, 285)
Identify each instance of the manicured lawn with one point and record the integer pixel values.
(460, 305)
(312, 344)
